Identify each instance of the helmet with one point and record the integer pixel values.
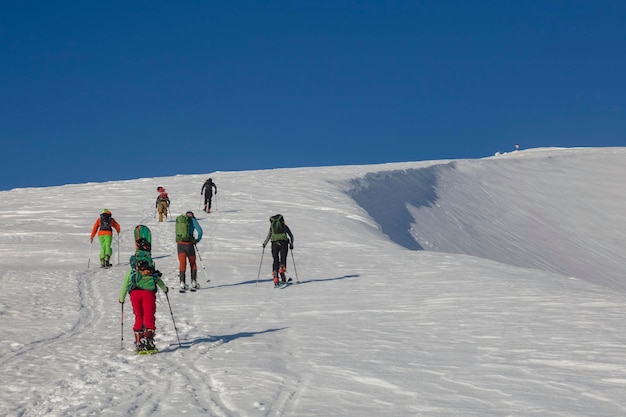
(105, 210)
(190, 214)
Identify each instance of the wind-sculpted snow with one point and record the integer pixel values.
(373, 329)
(555, 213)
(387, 195)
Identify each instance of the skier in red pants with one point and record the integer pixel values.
(141, 283)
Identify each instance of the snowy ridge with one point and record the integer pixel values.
(516, 307)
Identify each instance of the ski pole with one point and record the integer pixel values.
(294, 267)
(172, 314)
(259, 273)
(201, 263)
(89, 260)
(122, 333)
(118, 248)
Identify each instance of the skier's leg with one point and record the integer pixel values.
(276, 262)
(284, 248)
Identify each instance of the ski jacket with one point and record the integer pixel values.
(162, 197)
(96, 228)
(208, 188)
(144, 282)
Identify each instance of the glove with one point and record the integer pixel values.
(166, 290)
(291, 246)
(91, 240)
(157, 273)
(264, 245)
(121, 302)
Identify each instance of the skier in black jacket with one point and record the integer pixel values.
(207, 190)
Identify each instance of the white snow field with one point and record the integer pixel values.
(487, 287)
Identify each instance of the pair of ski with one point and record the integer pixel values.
(147, 351)
(285, 284)
(192, 288)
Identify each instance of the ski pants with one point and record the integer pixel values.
(144, 307)
(186, 250)
(162, 209)
(207, 200)
(280, 249)
(105, 246)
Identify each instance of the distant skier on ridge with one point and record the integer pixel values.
(162, 203)
(207, 189)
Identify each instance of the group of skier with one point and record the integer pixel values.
(142, 279)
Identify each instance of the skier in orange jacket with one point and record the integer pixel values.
(104, 226)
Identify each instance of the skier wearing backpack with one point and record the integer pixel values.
(162, 203)
(282, 241)
(104, 226)
(207, 189)
(186, 224)
(141, 283)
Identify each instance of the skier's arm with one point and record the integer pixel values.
(288, 230)
(116, 225)
(215, 186)
(196, 226)
(267, 238)
(95, 228)
(161, 284)
(124, 289)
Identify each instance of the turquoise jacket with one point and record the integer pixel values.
(196, 226)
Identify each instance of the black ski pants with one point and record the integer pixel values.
(280, 248)
(208, 196)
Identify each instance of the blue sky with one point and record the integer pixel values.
(97, 91)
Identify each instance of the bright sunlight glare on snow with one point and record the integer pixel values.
(478, 287)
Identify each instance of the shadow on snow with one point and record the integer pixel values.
(217, 339)
(269, 280)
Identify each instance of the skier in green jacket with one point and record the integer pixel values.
(141, 283)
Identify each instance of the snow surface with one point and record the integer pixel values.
(515, 307)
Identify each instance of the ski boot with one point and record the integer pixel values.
(139, 344)
(282, 271)
(194, 280)
(275, 275)
(148, 339)
(183, 286)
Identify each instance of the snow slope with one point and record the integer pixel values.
(515, 308)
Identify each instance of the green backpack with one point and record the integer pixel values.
(183, 229)
(278, 228)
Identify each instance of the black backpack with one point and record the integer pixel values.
(105, 221)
